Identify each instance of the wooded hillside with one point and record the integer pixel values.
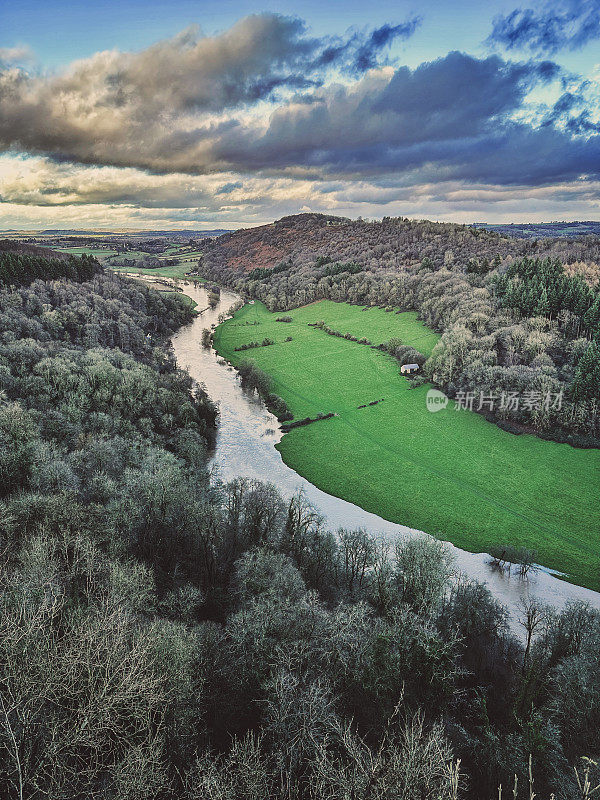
(20, 264)
(394, 244)
(516, 316)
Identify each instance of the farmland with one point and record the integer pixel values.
(100, 253)
(452, 474)
(134, 254)
(177, 271)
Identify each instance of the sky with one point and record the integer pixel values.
(202, 115)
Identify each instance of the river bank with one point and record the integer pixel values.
(245, 446)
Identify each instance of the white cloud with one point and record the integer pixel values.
(233, 128)
(38, 193)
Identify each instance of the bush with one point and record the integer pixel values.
(263, 573)
(306, 421)
(251, 345)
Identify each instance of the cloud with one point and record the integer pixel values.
(163, 107)
(40, 182)
(368, 52)
(40, 193)
(111, 96)
(452, 118)
(227, 188)
(555, 26)
(361, 51)
(13, 55)
(264, 118)
(566, 112)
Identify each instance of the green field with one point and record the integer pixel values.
(185, 299)
(132, 254)
(189, 255)
(176, 271)
(98, 252)
(452, 473)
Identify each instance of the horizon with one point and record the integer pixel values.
(134, 116)
(187, 229)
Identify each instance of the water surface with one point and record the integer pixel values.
(245, 442)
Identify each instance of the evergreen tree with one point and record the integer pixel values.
(586, 383)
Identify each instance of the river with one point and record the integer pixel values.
(245, 443)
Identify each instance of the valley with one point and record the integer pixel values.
(452, 474)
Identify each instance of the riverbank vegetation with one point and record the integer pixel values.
(184, 298)
(164, 637)
(251, 345)
(451, 473)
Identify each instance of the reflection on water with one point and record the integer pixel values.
(247, 433)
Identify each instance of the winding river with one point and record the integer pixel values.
(245, 447)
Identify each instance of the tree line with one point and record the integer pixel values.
(18, 268)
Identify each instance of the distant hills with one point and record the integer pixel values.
(542, 230)
(117, 233)
(514, 230)
(318, 245)
(11, 246)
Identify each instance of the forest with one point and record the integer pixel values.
(166, 636)
(516, 316)
(20, 264)
(537, 230)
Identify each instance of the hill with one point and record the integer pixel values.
(517, 316)
(12, 246)
(21, 264)
(394, 244)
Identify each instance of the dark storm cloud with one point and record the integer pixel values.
(459, 93)
(447, 119)
(368, 53)
(196, 105)
(553, 27)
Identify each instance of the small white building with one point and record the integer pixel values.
(408, 369)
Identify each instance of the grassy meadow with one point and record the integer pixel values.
(98, 252)
(452, 473)
(181, 252)
(178, 271)
(185, 298)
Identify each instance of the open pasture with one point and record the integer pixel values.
(451, 473)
